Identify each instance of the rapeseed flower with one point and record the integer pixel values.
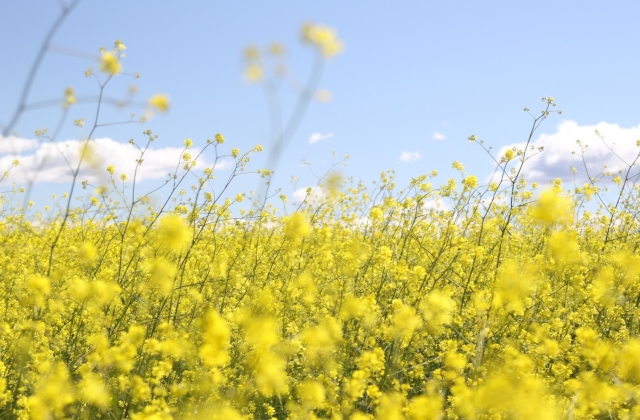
(172, 232)
(160, 102)
(110, 63)
(552, 207)
(323, 38)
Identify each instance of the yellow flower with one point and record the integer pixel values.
(437, 308)
(552, 207)
(425, 407)
(70, 96)
(323, 38)
(40, 285)
(312, 394)
(405, 322)
(470, 182)
(110, 64)
(94, 391)
(216, 334)
(54, 392)
(162, 275)
(629, 365)
(376, 214)
(87, 252)
(512, 286)
(172, 232)
(160, 102)
(219, 138)
(254, 73)
(297, 226)
(508, 155)
(111, 169)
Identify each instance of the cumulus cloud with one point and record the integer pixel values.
(316, 137)
(16, 145)
(438, 136)
(49, 162)
(557, 158)
(409, 156)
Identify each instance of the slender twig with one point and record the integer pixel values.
(35, 67)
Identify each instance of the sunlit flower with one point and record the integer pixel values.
(110, 64)
(160, 102)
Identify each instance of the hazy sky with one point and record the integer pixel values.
(415, 80)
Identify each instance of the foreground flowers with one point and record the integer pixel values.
(325, 314)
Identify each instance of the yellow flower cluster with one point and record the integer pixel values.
(323, 38)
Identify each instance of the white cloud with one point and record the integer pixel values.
(49, 162)
(317, 193)
(435, 204)
(316, 137)
(438, 136)
(409, 156)
(16, 145)
(556, 159)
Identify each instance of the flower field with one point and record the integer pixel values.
(507, 303)
(465, 298)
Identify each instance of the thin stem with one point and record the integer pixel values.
(36, 66)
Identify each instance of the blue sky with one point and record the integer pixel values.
(411, 71)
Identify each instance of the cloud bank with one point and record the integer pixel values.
(49, 162)
(557, 158)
